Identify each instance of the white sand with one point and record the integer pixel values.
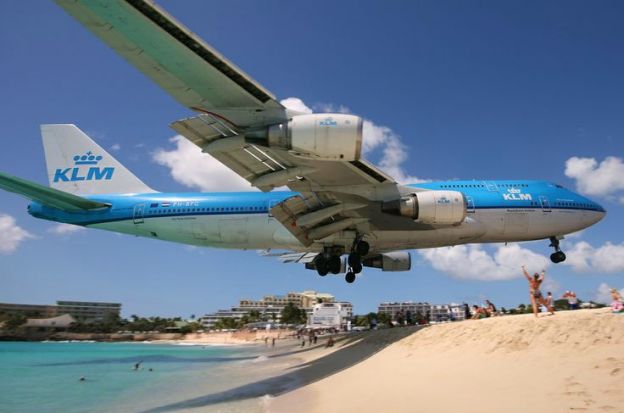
(570, 362)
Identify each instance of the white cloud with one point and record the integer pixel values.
(191, 167)
(295, 104)
(115, 147)
(603, 294)
(474, 262)
(65, 229)
(593, 178)
(608, 258)
(375, 137)
(11, 235)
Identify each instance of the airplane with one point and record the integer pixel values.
(341, 212)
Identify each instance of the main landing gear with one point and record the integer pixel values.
(557, 256)
(326, 264)
(330, 261)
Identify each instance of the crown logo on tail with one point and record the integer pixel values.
(87, 159)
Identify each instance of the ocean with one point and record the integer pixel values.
(44, 377)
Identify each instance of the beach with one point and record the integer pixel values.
(570, 362)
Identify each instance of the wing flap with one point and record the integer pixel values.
(48, 196)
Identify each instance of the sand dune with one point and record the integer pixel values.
(570, 362)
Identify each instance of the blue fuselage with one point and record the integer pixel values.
(242, 219)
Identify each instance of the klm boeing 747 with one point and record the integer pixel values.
(341, 213)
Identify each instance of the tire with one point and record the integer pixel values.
(334, 264)
(362, 248)
(355, 259)
(357, 268)
(350, 277)
(557, 257)
(321, 266)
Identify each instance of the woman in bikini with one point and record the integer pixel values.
(537, 298)
(616, 306)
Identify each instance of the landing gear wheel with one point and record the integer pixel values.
(350, 277)
(334, 264)
(321, 266)
(357, 268)
(355, 262)
(354, 259)
(362, 248)
(557, 257)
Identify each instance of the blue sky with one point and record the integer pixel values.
(484, 90)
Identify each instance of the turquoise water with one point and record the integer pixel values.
(44, 377)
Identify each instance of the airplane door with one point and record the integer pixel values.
(491, 186)
(545, 203)
(470, 208)
(137, 215)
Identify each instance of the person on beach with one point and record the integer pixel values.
(534, 288)
(617, 306)
(490, 308)
(478, 312)
(549, 300)
(572, 300)
(330, 342)
(273, 342)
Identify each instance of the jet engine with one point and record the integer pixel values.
(390, 261)
(430, 207)
(321, 136)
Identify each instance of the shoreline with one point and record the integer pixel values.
(205, 338)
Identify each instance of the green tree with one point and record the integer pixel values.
(14, 321)
(227, 323)
(383, 318)
(291, 314)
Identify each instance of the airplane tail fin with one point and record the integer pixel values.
(78, 165)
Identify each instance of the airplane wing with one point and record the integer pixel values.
(181, 63)
(340, 194)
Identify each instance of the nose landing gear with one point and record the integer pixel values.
(360, 249)
(557, 256)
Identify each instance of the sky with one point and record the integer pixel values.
(450, 90)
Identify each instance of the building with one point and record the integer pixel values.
(271, 306)
(88, 311)
(433, 312)
(84, 311)
(28, 310)
(59, 323)
(330, 315)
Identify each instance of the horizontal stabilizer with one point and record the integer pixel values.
(48, 196)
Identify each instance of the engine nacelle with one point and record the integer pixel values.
(390, 261)
(430, 207)
(321, 136)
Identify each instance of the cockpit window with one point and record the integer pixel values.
(559, 186)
